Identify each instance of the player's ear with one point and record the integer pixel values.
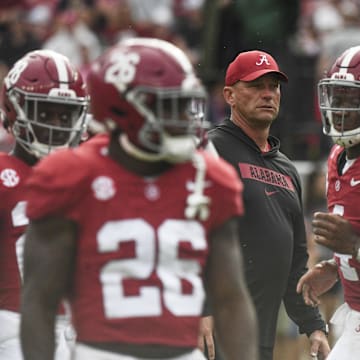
(229, 96)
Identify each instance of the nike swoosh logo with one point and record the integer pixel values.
(354, 182)
(269, 193)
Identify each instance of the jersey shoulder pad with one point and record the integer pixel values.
(57, 182)
(7, 160)
(60, 170)
(96, 141)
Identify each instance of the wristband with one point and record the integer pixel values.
(325, 330)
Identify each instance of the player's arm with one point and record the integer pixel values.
(336, 233)
(234, 314)
(48, 264)
(318, 280)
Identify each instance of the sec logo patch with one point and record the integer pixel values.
(103, 187)
(9, 177)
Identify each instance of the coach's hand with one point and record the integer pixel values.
(319, 345)
(206, 338)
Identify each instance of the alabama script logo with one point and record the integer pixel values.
(266, 176)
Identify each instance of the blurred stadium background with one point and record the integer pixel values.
(303, 35)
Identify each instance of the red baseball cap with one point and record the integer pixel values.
(250, 65)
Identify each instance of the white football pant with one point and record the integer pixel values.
(83, 352)
(10, 348)
(347, 346)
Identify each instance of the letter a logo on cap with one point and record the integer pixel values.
(263, 59)
(250, 65)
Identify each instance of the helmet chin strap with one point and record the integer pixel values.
(178, 149)
(174, 150)
(137, 153)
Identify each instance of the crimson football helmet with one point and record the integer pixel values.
(339, 99)
(148, 89)
(44, 102)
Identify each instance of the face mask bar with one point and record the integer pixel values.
(339, 103)
(42, 136)
(170, 113)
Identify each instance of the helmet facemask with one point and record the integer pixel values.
(174, 119)
(339, 102)
(46, 123)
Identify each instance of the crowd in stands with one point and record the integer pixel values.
(304, 35)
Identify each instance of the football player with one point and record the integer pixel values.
(136, 226)
(43, 104)
(339, 101)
